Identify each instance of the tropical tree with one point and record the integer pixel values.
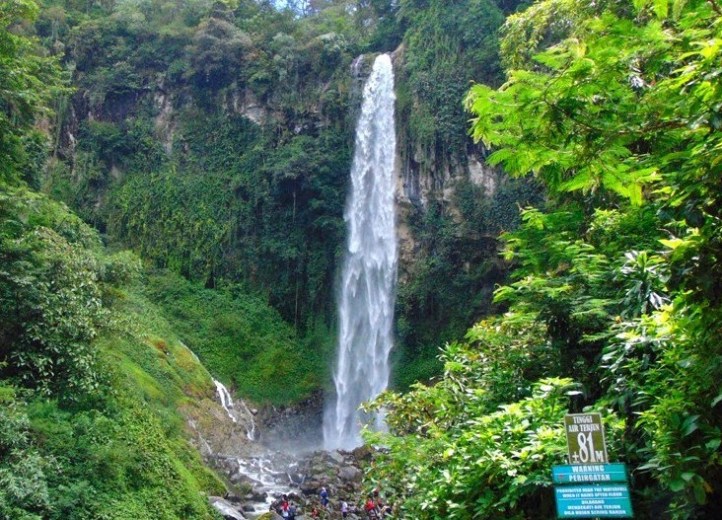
(28, 81)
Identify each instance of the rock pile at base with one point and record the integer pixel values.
(338, 471)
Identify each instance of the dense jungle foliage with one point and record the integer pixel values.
(89, 420)
(92, 378)
(95, 383)
(614, 301)
(213, 138)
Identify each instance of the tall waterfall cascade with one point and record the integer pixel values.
(368, 283)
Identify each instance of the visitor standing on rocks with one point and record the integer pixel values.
(382, 510)
(377, 500)
(324, 497)
(284, 507)
(292, 509)
(370, 507)
(344, 508)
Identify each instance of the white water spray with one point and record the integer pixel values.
(366, 301)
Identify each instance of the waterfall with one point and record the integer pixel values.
(227, 402)
(367, 292)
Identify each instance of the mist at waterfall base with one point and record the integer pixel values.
(270, 472)
(368, 280)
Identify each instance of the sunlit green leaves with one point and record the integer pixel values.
(619, 113)
(50, 295)
(23, 471)
(575, 125)
(491, 463)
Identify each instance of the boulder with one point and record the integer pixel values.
(257, 495)
(225, 464)
(226, 509)
(310, 487)
(362, 453)
(334, 457)
(232, 497)
(271, 515)
(296, 478)
(350, 474)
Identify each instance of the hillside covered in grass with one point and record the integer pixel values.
(93, 379)
(97, 383)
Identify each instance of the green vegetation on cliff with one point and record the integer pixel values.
(90, 383)
(171, 163)
(92, 378)
(241, 340)
(214, 138)
(449, 283)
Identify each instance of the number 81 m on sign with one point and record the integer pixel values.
(585, 438)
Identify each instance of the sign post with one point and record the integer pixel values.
(590, 487)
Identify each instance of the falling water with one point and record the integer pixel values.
(246, 417)
(366, 300)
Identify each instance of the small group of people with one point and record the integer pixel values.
(286, 508)
(375, 508)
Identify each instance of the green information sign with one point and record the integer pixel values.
(593, 501)
(585, 438)
(589, 473)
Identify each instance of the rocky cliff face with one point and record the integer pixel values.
(425, 177)
(419, 186)
(245, 181)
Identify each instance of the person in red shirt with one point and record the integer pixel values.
(370, 508)
(284, 507)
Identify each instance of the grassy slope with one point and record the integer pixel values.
(243, 341)
(121, 450)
